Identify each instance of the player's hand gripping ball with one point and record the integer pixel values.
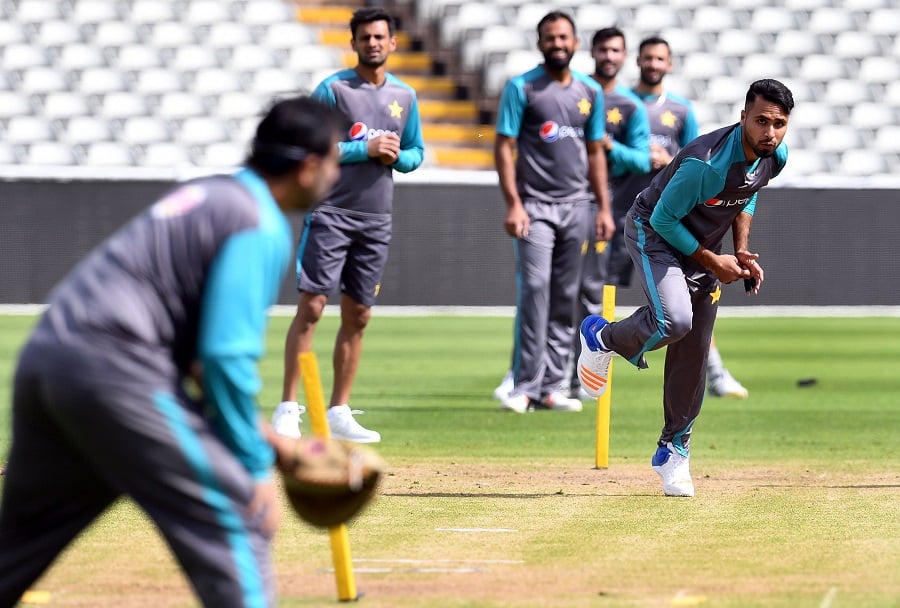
(329, 482)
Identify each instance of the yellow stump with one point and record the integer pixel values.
(604, 400)
(340, 540)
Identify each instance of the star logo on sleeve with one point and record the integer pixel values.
(715, 295)
(667, 119)
(584, 106)
(396, 110)
(614, 116)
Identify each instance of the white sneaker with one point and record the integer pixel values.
(557, 401)
(675, 471)
(344, 427)
(723, 384)
(505, 387)
(515, 403)
(593, 362)
(286, 419)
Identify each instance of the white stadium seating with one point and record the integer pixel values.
(163, 82)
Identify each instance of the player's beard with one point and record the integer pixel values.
(557, 63)
(372, 63)
(650, 79)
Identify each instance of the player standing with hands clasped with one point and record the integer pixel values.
(345, 242)
(674, 234)
(179, 295)
(555, 117)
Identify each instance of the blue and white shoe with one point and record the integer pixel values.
(675, 471)
(593, 362)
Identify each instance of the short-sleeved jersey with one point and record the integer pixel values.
(366, 184)
(190, 279)
(551, 123)
(694, 200)
(627, 124)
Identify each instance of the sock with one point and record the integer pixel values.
(714, 362)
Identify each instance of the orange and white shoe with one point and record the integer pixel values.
(593, 362)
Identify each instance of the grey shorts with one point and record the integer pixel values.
(343, 250)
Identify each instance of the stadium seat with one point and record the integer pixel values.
(737, 43)
(58, 33)
(138, 56)
(714, 19)
(144, 130)
(78, 57)
(11, 33)
(472, 16)
(495, 40)
(94, 12)
(251, 57)
(208, 12)
(892, 94)
(879, 69)
(14, 103)
(862, 163)
(23, 55)
(804, 162)
(267, 12)
(884, 21)
(655, 17)
(115, 34)
(28, 129)
(80, 130)
(763, 65)
(124, 104)
(887, 139)
(812, 115)
(846, 92)
(832, 20)
(288, 34)
(148, 12)
(65, 105)
(99, 81)
(837, 138)
(229, 34)
(50, 153)
(156, 81)
(201, 131)
(165, 154)
(681, 41)
(727, 90)
(194, 57)
(38, 11)
(178, 105)
(873, 115)
(821, 68)
(706, 65)
(217, 81)
(589, 17)
(171, 35)
(223, 155)
(308, 58)
(773, 20)
(797, 43)
(238, 105)
(43, 80)
(855, 44)
(108, 154)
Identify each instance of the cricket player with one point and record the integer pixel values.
(101, 409)
(554, 117)
(674, 233)
(344, 245)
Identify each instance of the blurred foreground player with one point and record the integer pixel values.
(100, 406)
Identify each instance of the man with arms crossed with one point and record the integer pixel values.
(554, 116)
(345, 241)
(674, 233)
(100, 410)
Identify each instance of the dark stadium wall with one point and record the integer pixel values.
(818, 247)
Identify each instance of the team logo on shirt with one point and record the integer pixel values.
(179, 202)
(359, 131)
(551, 131)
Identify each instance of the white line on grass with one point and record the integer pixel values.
(829, 598)
(475, 530)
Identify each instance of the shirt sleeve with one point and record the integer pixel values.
(510, 110)
(633, 154)
(348, 151)
(240, 286)
(412, 146)
(693, 182)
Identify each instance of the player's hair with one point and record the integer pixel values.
(773, 91)
(605, 34)
(555, 16)
(652, 41)
(291, 130)
(369, 15)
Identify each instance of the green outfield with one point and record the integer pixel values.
(798, 487)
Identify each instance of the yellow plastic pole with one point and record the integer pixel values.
(340, 539)
(604, 400)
